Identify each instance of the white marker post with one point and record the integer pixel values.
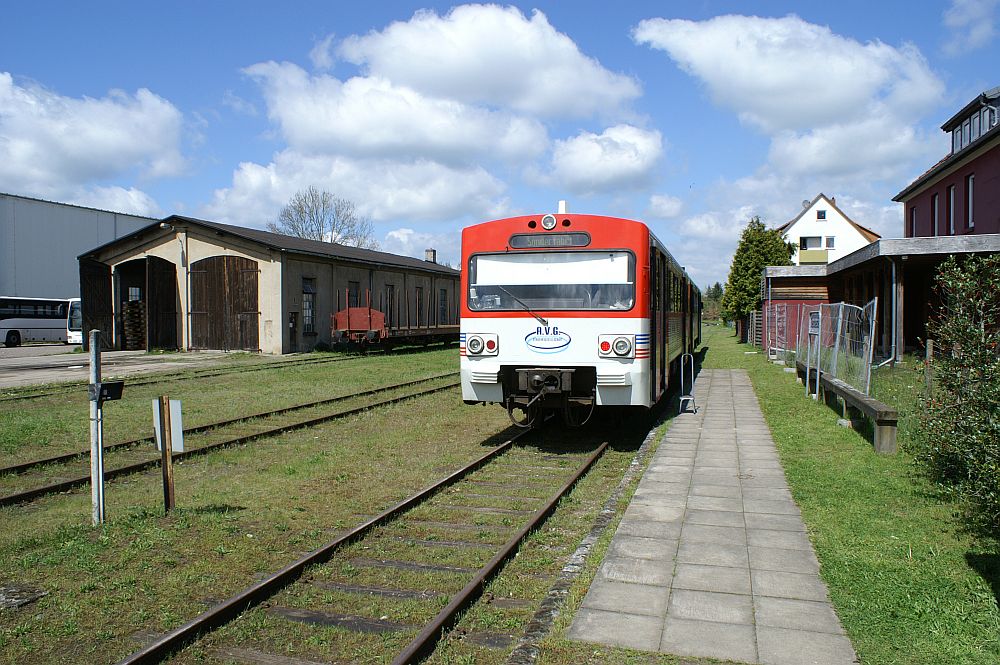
(96, 431)
(168, 433)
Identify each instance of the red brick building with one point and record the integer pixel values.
(960, 195)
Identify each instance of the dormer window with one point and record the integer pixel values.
(821, 215)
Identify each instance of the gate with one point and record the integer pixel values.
(95, 302)
(224, 311)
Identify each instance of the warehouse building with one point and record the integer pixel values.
(40, 240)
(193, 284)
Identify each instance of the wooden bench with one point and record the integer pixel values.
(882, 415)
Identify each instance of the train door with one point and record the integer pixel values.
(664, 364)
(654, 321)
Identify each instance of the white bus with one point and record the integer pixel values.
(40, 320)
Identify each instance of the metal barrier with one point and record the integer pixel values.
(687, 383)
(780, 334)
(838, 340)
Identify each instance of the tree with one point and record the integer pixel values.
(713, 302)
(319, 215)
(759, 247)
(958, 441)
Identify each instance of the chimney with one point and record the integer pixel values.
(431, 255)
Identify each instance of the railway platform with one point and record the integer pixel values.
(711, 558)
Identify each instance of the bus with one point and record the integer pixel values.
(40, 320)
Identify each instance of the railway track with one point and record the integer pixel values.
(185, 375)
(127, 459)
(438, 540)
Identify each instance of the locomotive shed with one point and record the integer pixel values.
(185, 283)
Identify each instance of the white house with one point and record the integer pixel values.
(822, 233)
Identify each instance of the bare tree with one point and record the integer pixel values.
(319, 215)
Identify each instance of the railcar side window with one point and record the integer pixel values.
(585, 280)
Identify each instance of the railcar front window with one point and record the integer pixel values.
(591, 280)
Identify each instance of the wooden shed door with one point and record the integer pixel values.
(161, 304)
(224, 310)
(95, 302)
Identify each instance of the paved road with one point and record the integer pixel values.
(32, 350)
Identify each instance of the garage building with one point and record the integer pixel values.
(192, 284)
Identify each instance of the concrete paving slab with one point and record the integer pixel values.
(711, 578)
(796, 615)
(798, 586)
(709, 639)
(715, 517)
(635, 631)
(640, 598)
(789, 540)
(710, 606)
(636, 571)
(732, 491)
(703, 533)
(732, 555)
(646, 548)
(784, 560)
(781, 646)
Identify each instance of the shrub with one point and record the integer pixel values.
(959, 440)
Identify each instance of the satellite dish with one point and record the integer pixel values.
(805, 204)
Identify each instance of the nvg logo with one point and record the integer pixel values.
(547, 339)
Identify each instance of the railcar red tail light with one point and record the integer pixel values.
(616, 346)
(482, 344)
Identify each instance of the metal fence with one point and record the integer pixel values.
(780, 333)
(838, 339)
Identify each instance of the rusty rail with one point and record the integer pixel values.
(229, 609)
(31, 495)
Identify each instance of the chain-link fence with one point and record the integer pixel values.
(838, 340)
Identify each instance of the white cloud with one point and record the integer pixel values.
(238, 104)
(971, 25)
(621, 156)
(664, 206)
(375, 117)
(117, 199)
(409, 242)
(382, 189)
(487, 54)
(51, 145)
(788, 74)
(321, 55)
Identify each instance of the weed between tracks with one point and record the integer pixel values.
(56, 424)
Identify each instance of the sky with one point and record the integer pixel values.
(690, 116)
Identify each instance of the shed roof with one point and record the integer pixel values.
(292, 244)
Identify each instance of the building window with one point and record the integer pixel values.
(134, 293)
(353, 291)
(442, 306)
(966, 132)
(308, 304)
(951, 210)
(821, 215)
(421, 315)
(970, 182)
(934, 215)
(830, 242)
(975, 127)
(913, 221)
(956, 140)
(390, 305)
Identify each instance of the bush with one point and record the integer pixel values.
(959, 440)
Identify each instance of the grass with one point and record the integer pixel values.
(910, 586)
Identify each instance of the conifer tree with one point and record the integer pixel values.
(759, 247)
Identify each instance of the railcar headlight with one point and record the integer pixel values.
(622, 346)
(549, 222)
(474, 345)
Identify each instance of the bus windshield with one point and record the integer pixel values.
(586, 280)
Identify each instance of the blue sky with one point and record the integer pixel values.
(691, 116)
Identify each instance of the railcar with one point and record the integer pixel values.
(570, 312)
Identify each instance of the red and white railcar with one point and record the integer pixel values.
(569, 312)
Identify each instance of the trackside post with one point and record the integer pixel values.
(96, 430)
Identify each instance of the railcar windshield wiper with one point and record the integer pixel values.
(524, 305)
